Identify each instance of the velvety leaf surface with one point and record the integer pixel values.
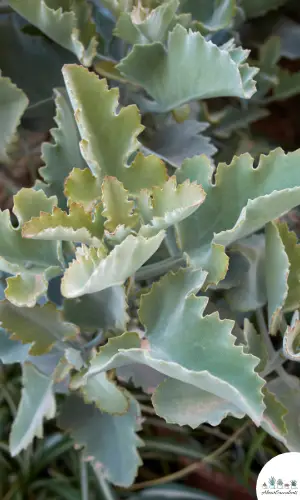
(156, 70)
(37, 403)
(185, 404)
(207, 359)
(170, 204)
(261, 195)
(110, 441)
(92, 271)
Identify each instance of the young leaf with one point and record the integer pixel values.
(108, 138)
(291, 342)
(37, 403)
(171, 204)
(13, 103)
(261, 195)
(142, 26)
(110, 441)
(156, 70)
(82, 187)
(92, 271)
(20, 255)
(69, 25)
(29, 203)
(105, 310)
(64, 154)
(78, 225)
(25, 289)
(175, 142)
(118, 210)
(41, 326)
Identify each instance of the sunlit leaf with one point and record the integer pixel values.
(77, 225)
(118, 210)
(108, 138)
(170, 204)
(25, 289)
(92, 271)
(261, 194)
(82, 187)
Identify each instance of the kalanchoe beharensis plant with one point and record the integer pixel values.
(137, 261)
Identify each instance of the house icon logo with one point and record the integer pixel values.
(280, 477)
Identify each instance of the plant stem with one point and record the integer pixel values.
(159, 268)
(84, 479)
(271, 351)
(106, 491)
(194, 466)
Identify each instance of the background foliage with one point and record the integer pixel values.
(171, 161)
